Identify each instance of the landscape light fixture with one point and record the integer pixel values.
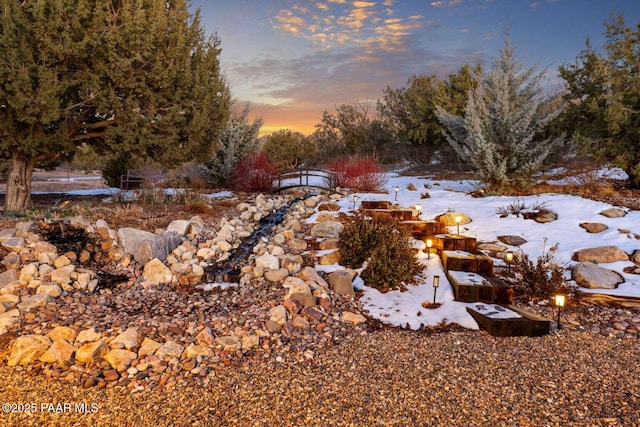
(559, 303)
(509, 258)
(436, 283)
(396, 190)
(355, 199)
(419, 209)
(458, 218)
(429, 245)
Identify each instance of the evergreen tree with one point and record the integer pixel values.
(136, 77)
(287, 150)
(504, 115)
(238, 139)
(603, 94)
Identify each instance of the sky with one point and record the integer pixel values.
(293, 59)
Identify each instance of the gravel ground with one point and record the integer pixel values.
(384, 377)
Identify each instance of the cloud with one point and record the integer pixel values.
(337, 23)
(446, 3)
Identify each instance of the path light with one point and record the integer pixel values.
(509, 261)
(429, 245)
(396, 190)
(436, 283)
(419, 209)
(355, 199)
(458, 218)
(559, 304)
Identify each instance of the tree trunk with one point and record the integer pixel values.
(18, 194)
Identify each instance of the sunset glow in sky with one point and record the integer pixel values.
(292, 60)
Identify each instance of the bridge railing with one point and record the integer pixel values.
(306, 178)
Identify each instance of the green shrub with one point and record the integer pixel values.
(378, 241)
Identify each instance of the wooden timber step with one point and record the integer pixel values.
(423, 229)
(375, 204)
(508, 320)
(454, 242)
(467, 261)
(399, 214)
(472, 287)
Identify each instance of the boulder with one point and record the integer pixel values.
(449, 218)
(296, 285)
(195, 350)
(636, 257)
(88, 335)
(340, 282)
(148, 347)
(602, 254)
(353, 318)
(127, 339)
(62, 275)
(49, 288)
(120, 359)
(14, 244)
(88, 352)
(60, 351)
(156, 272)
(542, 216)
(593, 227)
(329, 229)
(310, 274)
(62, 333)
(293, 263)
(229, 343)
(29, 272)
(130, 238)
(250, 341)
(512, 240)
(329, 244)
(169, 350)
(8, 277)
(491, 247)
(592, 276)
(7, 233)
(268, 261)
(278, 314)
(205, 336)
(276, 276)
(330, 258)
(180, 226)
(27, 349)
(33, 301)
(9, 319)
(613, 213)
(13, 261)
(157, 247)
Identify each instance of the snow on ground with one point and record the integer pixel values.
(405, 308)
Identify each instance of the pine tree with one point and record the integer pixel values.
(238, 139)
(135, 77)
(504, 115)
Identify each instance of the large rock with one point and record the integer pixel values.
(49, 288)
(156, 272)
(27, 349)
(14, 244)
(229, 343)
(91, 351)
(195, 350)
(9, 319)
(33, 301)
(636, 256)
(127, 339)
(329, 229)
(602, 254)
(296, 285)
(340, 282)
(330, 258)
(88, 335)
(120, 359)
(157, 247)
(449, 218)
(8, 277)
(354, 318)
(62, 275)
(593, 227)
(278, 314)
(130, 238)
(180, 226)
(148, 347)
(592, 276)
(268, 261)
(62, 333)
(613, 213)
(169, 350)
(60, 351)
(512, 240)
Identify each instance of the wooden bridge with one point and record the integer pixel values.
(305, 178)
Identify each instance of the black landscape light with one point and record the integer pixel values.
(355, 199)
(419, 209)
(458, 218)
(429, 245)
(559, 303)
(436, 283)
(396, 190)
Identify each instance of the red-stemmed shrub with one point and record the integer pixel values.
(362, 174)
(254, 173)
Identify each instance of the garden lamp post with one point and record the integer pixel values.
(436, 283)
(429, 245)
(559, 303)
(419, 209)
(458, 218)
(355, 199)
(509, 259)
(396, 190)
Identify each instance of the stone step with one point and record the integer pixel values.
(375, 204)
(473, 262)
(508, 320)
(472, 287)
(423, 229)
(454, 242)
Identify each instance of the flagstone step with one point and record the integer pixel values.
(508, 320)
